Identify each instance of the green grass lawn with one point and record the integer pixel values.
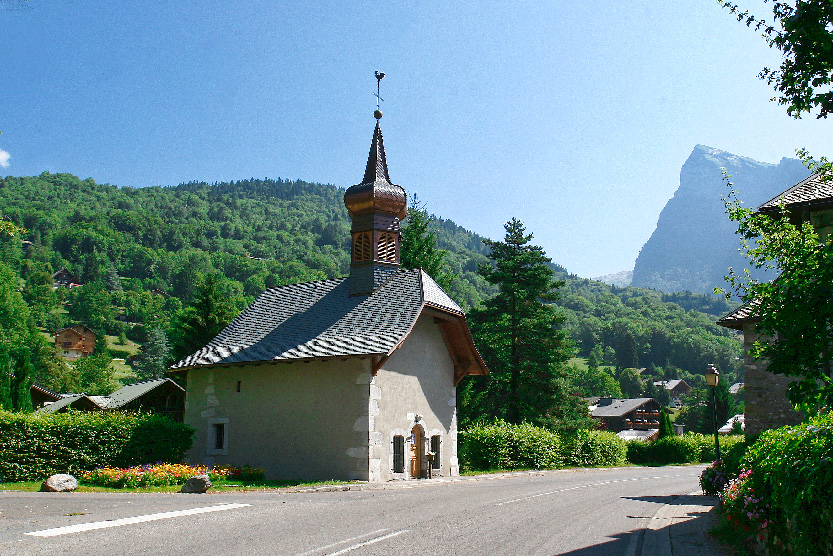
(219, 486)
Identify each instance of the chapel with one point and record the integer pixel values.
(350, 378)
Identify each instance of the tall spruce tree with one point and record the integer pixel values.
(153, 358)
(519, 337)
(419, 245)
(196, 325)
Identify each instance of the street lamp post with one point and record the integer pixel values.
(712, 377)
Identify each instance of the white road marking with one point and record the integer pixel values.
(365, 543)
(582, 486)
(340, 542)
(131, 520)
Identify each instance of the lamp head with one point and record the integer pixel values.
(712, 375)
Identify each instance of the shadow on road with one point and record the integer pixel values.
(680, 527)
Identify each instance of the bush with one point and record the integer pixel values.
(745, 509)
(792, 471)
(713, 479)
(689, 448)
(500, 445)
(590, 448)
(34, 446)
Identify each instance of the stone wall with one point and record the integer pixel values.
(766, 405)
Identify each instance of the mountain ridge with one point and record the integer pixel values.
(694, 243)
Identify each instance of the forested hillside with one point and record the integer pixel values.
(145, 255)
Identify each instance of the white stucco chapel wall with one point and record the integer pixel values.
(415, 387)
(328, 419)
(294, 420)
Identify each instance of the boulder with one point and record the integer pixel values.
(59, 483)
(197, 483)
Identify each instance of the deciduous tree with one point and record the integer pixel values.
(803, 31)
(794, 312)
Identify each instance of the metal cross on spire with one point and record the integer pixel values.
(378, 113)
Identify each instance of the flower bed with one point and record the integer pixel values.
(160, 474)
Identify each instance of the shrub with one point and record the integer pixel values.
(590, 448)
(689, 448)
(745, 509)
(733, 457)
(245, 473)
(713, 479)
(500, 445)
(34, 446)
(792, 470)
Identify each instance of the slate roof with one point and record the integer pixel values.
(736, 318)
(809, 191)
(321, 320)
(618, 408)
(127, 394)
(117, 399)
(68, 400)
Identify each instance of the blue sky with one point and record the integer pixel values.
(574, 117)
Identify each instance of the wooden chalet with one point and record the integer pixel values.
(75, 341)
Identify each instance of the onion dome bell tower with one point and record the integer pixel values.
(376, 207)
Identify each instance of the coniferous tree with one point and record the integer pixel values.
(154, 355)
(419, 246)
(665, 426)
(196, 325)
(519, 336)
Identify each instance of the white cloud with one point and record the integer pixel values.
(4, 158)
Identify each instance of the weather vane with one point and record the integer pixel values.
(378, 113)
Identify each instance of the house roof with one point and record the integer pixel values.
(671, 384)
(68, 401)
(640, 435)
(320, 319)
(117, 399)
(742, 314)
(45, 392)
(127, 394)
(79, 329)
(813, 190)
(618, 407)
(730, 424)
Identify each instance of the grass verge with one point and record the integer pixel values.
(219, 486)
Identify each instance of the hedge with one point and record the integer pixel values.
(790, 471)
(689, 448)
(34, 446)
(589, 448)
(500, 445)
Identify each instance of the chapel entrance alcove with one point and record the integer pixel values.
(416, 452)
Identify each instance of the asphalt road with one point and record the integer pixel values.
(589, 512)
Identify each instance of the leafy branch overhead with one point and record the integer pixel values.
(803, 32)
(794, 313)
